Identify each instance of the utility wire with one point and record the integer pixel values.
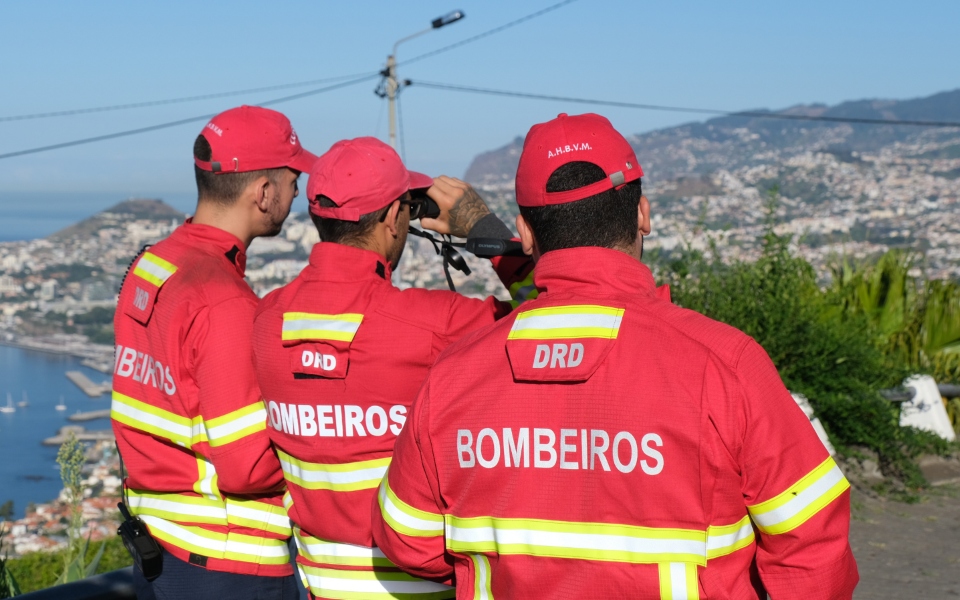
(114, 107)
(704, 111)
(129, 132)
(490, 32)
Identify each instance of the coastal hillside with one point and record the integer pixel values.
(843, 190)
(134, 209)
(699, 148)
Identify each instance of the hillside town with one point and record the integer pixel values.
(835, 205)
(44, 528)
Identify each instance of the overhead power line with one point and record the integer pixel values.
(683, 109)
(130, 132)
(114, 107)
(487, 33)
(269, 88)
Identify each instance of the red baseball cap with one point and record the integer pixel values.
(251, 138)
(361, 176)
(588, 138)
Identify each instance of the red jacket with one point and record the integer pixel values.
(603, 443)
(187, 413)
(340, 354)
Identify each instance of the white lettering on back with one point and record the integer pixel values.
(485, 449)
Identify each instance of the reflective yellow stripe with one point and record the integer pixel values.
(727, 539)
(567, 322)
(678, 581)
(405, 519)
(258, 515)
(523, 290)
(567, 539)
(347, 477)
(237, 424)
(206, 484)
(157, 421)
(800, 501)
(310, 326)
(333, 553)
(287, 500)
(482, 578)
(371, 585)
(183, 508)
(177, 507)
(154, 269)
(233, 546)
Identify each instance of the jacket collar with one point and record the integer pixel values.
(338, 262)
(217, 240)
(592, 271)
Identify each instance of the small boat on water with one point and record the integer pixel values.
(61, 407)
(23, 403)
(9, 407)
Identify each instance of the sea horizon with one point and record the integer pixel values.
(30, 215)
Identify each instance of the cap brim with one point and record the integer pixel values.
(419, 181)
(303, 161)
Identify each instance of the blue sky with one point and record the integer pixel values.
(730, 55)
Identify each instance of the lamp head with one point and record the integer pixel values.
(450, 17)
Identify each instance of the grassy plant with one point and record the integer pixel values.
(71, 458)
(8, 583)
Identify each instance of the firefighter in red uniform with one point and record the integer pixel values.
(602, 442)
(187, 413)
(340, 353)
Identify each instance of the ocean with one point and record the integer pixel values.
(30, 215)
(28, 470)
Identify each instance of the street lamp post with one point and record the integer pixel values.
(390, 85)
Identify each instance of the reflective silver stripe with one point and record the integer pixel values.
(178, 507)
(575, 321)
(232, 546)
(726, 539)
(298, 326)
(257, 515)
(588, 541)
(405, 519)
(333, 553)
(678, 581)
(338, 583)
(564, 321)
(799, 502)
(482, 585)
(345, 477)
(157, 421)
(237, 425)
(154, 269)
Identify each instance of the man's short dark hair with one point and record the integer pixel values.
(223, 188)
(608, 219)
(346, 232)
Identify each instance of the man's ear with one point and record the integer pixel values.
(260, 190)
(643, 220)
(393, 215)
(527, 241)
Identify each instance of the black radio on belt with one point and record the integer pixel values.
(140, 544)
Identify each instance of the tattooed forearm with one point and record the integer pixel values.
(466, 211)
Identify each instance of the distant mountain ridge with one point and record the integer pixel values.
(730, 142)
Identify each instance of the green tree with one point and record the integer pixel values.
(6, 510)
